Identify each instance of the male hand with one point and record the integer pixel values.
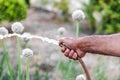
(72, 51)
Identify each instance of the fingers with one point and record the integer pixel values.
(70, 49)
(72, 54)
(63, 49)
(75, 56)
(69, 53)
(66, 53)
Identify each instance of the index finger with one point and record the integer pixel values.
(61, 41)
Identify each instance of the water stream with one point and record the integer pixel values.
(44, 39)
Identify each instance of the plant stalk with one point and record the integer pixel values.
(19, 60)
(77, 28)
(27, 69)
(80, 60)
(7, 60)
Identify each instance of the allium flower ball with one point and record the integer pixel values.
(17, 27)
(78, 15)
(61, 30)
(3, 31)
(27, 53)
(81, 77)
(25, 37)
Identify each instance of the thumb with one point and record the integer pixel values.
(61, 41)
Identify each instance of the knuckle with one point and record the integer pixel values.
(71, 53)
(63, 49)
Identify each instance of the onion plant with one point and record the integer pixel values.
(77, 16)
(27, 53)
(4, 31)
(18, 28)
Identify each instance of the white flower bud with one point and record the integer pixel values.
(61, 30)
(17, 27)
(26, 37)
(27, 53)
(78, 15)
(3, 31)
(81, 77)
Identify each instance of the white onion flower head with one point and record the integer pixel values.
(27, 53)
(61, 30)
(26, 37)
(17, 27)
(81, 77)
(78, 15)
(3, 31)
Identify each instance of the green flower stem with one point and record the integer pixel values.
(26, 44)
(72, 62)
(27, 69)
(77, 28)
(8, 60)
(119, 70)
(19, 60)
(80, 60)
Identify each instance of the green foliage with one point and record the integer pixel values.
(110, 10)
(69, 71)
(63, 5)
(38, 76)
(8, 61)
(100, 71)
(27, 2)
(89, 8)
(2, 60)
(6, 77)
(12, 10)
